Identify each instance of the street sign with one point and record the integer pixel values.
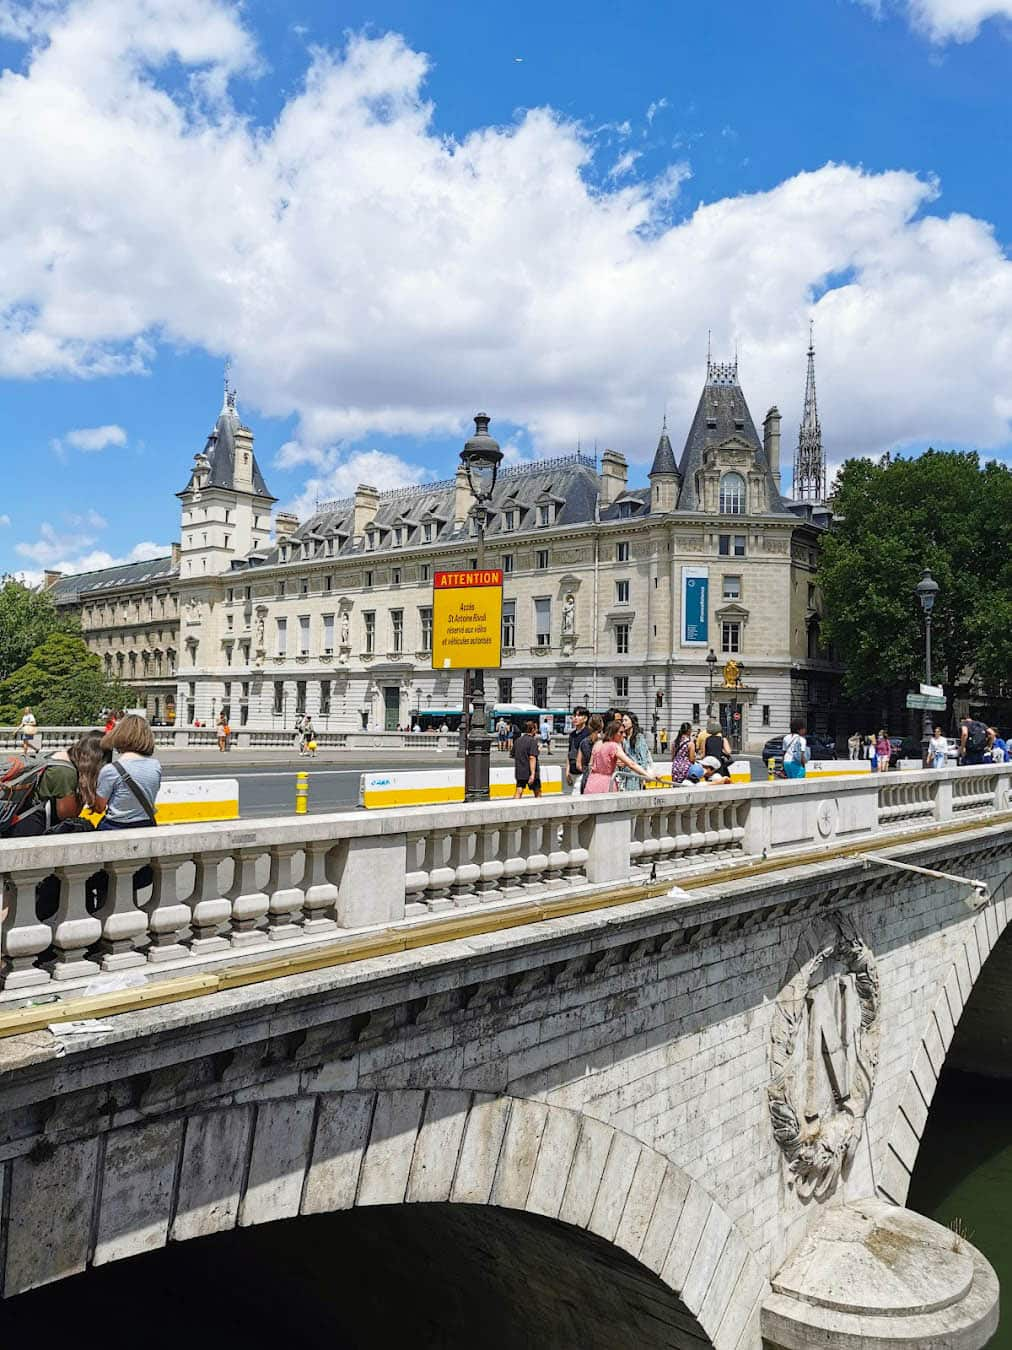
(467, 619)
(933, 691)
(928, 702)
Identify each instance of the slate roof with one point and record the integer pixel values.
(68, 590)
(220, 450)
(720, 414)
(664, 456)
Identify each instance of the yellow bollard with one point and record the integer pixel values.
(301, 793)
(771, 769)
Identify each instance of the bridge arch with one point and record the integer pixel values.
(981, 936)
(141, 1186)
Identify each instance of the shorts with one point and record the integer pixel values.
(533, 783)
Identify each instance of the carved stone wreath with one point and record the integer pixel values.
(817, 1143)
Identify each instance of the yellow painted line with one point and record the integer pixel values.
(192, 813)
(442, 929)
(432, 796)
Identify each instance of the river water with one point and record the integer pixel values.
(964, 1172)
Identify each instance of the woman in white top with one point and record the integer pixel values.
(937, 750)
(27, 734)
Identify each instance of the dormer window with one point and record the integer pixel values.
(625, 510)
(509, 520)
(284, 553)
(711, 423)
(370, 540)
(398, 536)
(427, 532)
(545, 513)
(732, 495)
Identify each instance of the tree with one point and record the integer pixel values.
(942, 511)
(63, 683)
(27, 617)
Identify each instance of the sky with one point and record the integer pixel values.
(389, 216)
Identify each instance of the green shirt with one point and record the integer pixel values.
(59, 780)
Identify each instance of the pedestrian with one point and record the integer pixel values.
(224, 731)
(502, 731)
(997, 746)
(662, 737)
(938, 748)
(883, 749)
(683, 757)
(796, 751)
(307, 746)
(580, 716)
(593, 732)
(713, 771)
(525, 760)
(716, 745)
(26, 732)
(128, 787)
(854, 745)
(638, 750)
(607, 757)
(35, 798)
(547, 726)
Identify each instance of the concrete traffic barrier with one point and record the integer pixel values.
(739, 772)
(188, 801)
(428, 787)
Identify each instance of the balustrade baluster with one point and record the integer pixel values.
(210, 911)
(440, 874)
(490, 863)
(574, 831)
(286, 899)
(514, 868)
(24, 937)
(536, 861)
(320, 905)
(466, 871)
(168, 916)
(416, 876)
(249, 905)
(124, 926)
(75, 931)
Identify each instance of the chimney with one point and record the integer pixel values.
(49, 579)
(285, 524)
(366, 505)
(176, 551)
(771, 442)
(463, 498)
(614, 476)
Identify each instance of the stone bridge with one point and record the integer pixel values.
(654, 1068)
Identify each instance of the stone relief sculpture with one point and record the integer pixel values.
(824, 1055)
(569, 615)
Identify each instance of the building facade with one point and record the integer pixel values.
(612, 595)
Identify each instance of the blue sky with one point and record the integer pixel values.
(391, 215)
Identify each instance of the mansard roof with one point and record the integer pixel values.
(69, 590)
(721, 414)
(220, 450)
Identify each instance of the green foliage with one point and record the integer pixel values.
(942, 511)
(26, 618)
(63, 684)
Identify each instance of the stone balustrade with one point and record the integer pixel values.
(78, 906)
(256, 738)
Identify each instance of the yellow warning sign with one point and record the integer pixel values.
(467, 620)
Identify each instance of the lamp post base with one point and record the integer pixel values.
(476, 765)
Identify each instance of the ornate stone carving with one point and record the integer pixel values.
(824, 1054)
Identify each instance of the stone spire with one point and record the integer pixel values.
(809, 461)
(663, 474)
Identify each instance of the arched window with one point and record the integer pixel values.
(732, 495)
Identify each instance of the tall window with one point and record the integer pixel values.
(397, 630)
(368, 581)
(423, 572)
(540, 689)
(281, 590)
(425, 623)
(324, 698)
(505, 689)
(622, 551)
(544, 514)
(621, 687)
(509, 520)
(369, 622)
(509, 623)
(543, 623)
(395, 577)
(541, 559)
(427, 532)
(507, 564)
(730, 637)
(304, 586)
(328, 634)
(303, 634)
(621, 592)
(732, 495)
(622, 639)
(300, 696)
(766, 714)
(282, 633)
(732, 588)
(279, 698)
(731, 545)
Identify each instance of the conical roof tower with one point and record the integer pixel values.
(809, 461)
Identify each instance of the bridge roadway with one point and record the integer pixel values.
(652, 1069)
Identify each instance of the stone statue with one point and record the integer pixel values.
(569, 616)
(345, 628)
(260, 634)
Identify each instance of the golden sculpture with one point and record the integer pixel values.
(732, 674)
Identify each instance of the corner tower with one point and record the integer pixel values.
(226, 505)
(663, 474)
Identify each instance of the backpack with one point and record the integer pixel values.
(976, 737)
(19, 780)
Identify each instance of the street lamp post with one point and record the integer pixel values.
(480, 457)
(926, 590)
(711, 666)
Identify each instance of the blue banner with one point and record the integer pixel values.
(695, 606)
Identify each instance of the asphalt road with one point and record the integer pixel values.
(270, 790)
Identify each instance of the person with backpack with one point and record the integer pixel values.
(796, 751)
(128, 787)
(973, 741)
(37, 795)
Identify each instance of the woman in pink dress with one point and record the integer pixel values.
(606, 757)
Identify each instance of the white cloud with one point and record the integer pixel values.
(343, 473)
(947, 20)
(624, 164)
(373, 276)
(91, 560)
(5, 520)
(658, 105)
(94, 438)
